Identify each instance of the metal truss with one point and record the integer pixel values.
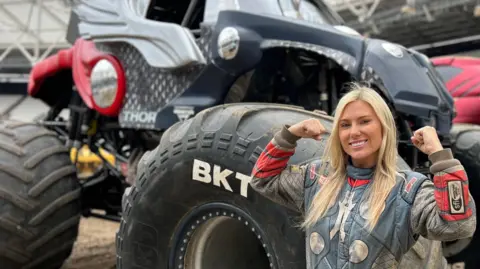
(362, 9)
(30, 31)
(394, 9)
(377, 14)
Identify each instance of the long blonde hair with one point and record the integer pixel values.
(385, 169)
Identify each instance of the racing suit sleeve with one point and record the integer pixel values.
(444, 209)
(273, 178)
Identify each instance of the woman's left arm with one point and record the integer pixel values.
(443, 209)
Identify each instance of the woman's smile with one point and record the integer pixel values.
(358, 144)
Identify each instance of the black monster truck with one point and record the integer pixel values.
(136, 74)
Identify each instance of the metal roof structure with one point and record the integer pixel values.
(435, 27)
(30, 30)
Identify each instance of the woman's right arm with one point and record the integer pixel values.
(273, 178)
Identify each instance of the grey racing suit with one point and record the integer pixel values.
(417, 214)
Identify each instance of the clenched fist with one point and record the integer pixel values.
(426, 140)
(311, 128)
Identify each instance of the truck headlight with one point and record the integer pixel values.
(104, 81)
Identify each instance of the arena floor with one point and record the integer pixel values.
(95, 246)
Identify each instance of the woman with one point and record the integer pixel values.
(360, 210)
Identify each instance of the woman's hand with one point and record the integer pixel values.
(426, 140)
(311, 128)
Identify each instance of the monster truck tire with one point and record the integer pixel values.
(185, 210)
(467, 151)
(39, 198)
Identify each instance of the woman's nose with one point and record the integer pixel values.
(355, 130)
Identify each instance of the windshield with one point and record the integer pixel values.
(308, 10)
(302, 10)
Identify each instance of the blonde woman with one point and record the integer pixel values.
(360, 211)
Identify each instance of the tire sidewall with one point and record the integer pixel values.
(169, 188)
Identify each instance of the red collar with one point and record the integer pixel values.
(357, 182)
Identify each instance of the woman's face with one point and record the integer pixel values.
(360, 133)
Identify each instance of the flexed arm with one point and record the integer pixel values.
(443, 209)
(276, 180)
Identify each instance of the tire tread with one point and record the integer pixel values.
(28, 233)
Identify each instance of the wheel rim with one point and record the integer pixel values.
(219, 235)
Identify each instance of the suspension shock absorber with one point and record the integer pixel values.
(74, 127)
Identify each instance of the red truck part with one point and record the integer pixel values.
(462, 78)
(80, 59)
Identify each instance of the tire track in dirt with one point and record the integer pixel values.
(95, 245)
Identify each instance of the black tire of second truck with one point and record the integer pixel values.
(39, 198)
(467, 151)
(191, 205)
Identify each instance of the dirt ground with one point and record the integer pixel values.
(95, 246)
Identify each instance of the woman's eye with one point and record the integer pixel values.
(344, 125)
(365, 121)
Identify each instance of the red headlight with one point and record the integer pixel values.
(107, 83)
(99, 78)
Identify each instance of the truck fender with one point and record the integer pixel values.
(80, 59)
